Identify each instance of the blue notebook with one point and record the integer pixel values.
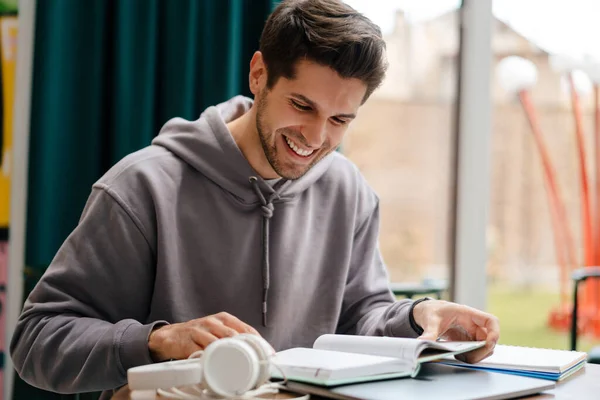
(554, 365)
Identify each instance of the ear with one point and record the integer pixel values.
(258, 73)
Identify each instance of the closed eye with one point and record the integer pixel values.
(300, 107)
(339, 121)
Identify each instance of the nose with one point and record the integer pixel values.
(315, 134)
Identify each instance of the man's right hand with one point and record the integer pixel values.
(179, 341)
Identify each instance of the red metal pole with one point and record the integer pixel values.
(565, 244)
(588, 308)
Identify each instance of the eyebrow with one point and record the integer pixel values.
(314, 105)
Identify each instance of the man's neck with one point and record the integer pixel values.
(245, 134)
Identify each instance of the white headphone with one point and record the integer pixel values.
(234, 366)
(231, 367)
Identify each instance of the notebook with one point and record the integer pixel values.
(435, 381)
(344, 359)
(541, 363)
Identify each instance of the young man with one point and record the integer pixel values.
(245, 220)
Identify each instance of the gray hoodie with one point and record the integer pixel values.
(185, 228)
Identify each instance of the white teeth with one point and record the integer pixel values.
(297, 150)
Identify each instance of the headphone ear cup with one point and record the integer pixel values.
(230, 367)
(264, 351)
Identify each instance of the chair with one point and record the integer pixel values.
(579, 276)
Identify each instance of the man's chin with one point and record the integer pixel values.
(290, 171)
(291, 175)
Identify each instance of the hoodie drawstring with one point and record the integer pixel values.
(267, 211)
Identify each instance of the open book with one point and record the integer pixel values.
(343, 359)
(549, 364)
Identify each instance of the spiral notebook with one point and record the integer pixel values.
(534, 362)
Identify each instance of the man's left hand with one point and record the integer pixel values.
(445, 320)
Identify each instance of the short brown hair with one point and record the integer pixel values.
(328, 32)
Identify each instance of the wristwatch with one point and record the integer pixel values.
(411, 318)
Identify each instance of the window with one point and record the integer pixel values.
(524, 269)
(401, 139)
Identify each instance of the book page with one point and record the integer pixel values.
(327, 366)
(429, 350)
(330, 361)
(407, 349)
(403, 348)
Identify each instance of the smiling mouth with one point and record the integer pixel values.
(296, 149)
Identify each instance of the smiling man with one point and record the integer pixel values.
(298, 121)
(245, 220)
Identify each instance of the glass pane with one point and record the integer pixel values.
(401, 140)
(529, 247)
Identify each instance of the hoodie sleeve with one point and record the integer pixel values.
(79, 330)
(368, 306)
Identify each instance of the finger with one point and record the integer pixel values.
(472, 319)
(480, 334)
(457, 333)
(432, 328)
(476, 356)
(233, 322)
(483, 352)
(187, 349)
(491, 325)
(481, 326)
(218, 328)
(202, 337)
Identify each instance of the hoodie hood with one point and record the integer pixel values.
(207, 146)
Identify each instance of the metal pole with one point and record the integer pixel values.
(473, 136)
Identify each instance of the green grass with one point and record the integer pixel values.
(523, 315)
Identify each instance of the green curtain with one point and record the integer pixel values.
(107, 75)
